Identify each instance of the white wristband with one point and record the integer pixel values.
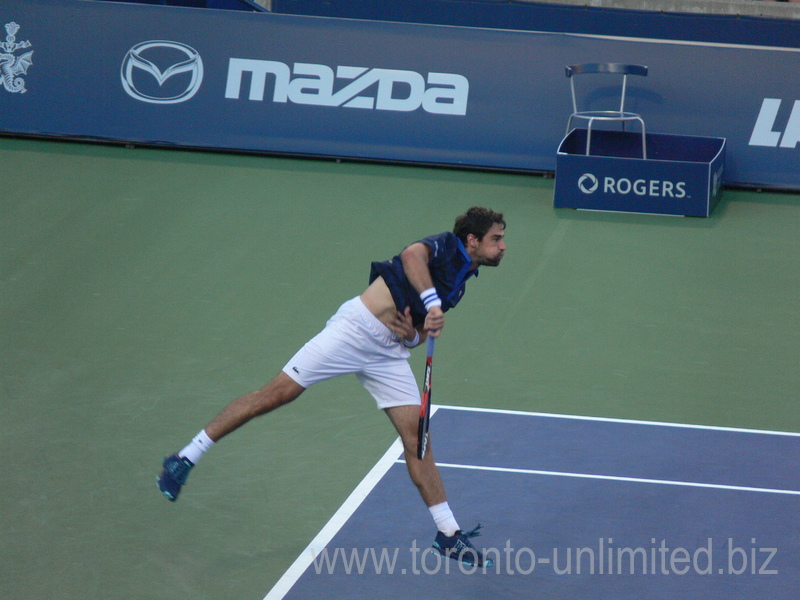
(413, 342)
(430, 298)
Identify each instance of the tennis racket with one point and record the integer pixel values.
(425, 405)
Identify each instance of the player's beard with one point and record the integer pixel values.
(491, 262)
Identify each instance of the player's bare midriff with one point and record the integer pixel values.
(378, 300)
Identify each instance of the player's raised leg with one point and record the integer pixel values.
(281, 390)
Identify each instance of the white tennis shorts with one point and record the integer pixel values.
(355, 341)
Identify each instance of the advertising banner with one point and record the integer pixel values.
(682, 175)
(262, 82)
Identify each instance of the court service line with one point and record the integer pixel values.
(717, 486)
(523, 413)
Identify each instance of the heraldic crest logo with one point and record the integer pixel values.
(11, 66)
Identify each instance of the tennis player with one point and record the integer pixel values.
(370, 336)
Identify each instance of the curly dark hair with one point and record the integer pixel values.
(477, 221)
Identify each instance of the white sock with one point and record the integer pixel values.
(198, 446)
(444, 519)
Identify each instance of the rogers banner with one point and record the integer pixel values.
(262, 82)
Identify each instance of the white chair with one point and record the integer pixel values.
(618, 116)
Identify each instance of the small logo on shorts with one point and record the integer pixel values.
(296, 370)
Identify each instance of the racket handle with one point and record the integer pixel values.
(431, 342)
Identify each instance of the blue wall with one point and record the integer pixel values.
(558, 18)
(302, 85)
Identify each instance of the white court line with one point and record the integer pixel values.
(613, 420)
(717, 486)
(337, 521)
(625, 422)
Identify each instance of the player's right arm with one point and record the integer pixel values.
(415, 264)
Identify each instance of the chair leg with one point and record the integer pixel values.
(644, 141)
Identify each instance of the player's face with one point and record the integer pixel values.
(490, 250)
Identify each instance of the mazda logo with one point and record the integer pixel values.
(588, 183)
(161, 72)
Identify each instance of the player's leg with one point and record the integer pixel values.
(393, 386)
(451, 541)
(391, 382)
(324, 356)
(281, 390)
(424, 473)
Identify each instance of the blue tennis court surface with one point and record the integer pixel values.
(572, 507)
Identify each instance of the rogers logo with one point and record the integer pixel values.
(654, 188)
(588, 183)
(161, 72)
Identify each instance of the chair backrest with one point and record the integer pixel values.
(612, 68)
(615, 68)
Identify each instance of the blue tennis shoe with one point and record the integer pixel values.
(458, 547)
(176, 471)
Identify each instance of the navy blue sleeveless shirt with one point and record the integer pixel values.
(449, 265)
